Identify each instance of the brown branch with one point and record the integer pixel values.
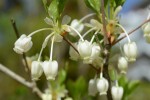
(107, 49)
(131, 31)
(31, 85)
(70, 44)
(104, 22)
(17, 35)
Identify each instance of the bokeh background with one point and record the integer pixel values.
(29, 16)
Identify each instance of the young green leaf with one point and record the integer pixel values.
(93, 4)
(53, 10)
(61, 5)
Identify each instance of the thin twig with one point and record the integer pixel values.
(21, 80)
(71, 44)
(131, 31)
(15, 76)
(15, 28)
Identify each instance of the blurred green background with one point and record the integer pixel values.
(29, 16)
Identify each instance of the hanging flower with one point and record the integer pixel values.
(117, 92)
(130, 51)
(92, 89)
(36, 70)
(85, 49)
(50, 69)
(146, 29)
(94, 55)
(23, 44)
(122, 64)
(102, 85)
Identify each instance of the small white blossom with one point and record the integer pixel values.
(146, 29)
(92, 88)
(94, 55)
(23, 44)
(117, 92)
(85, 49)
(36, 70)
(122, 64)
(46, 96)
(50, 69)
(130, 51)
(102, 85)
(76, 25)
(73, 54)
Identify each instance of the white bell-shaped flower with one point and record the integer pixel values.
(36, 70)
(122, 64)
(92, 88)
(102, 85)
(117, 92)
(23, 44)
(85, 49)
(73, 54)
(130, 51)
(50, 69)
(146, 29)
(94, 55)
(76, 25)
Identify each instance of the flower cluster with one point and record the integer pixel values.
(90, 51)
(101, 85)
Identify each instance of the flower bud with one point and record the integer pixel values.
(85, 49)
(92, 89)
(117, 92)
(130, 51)
(102, 86)
(117, 10)
(122, 64)
(146, 30)
(23, 44)
(50, 69)
(36, 70)
(73, 54)
(76, 25)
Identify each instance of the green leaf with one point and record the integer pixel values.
(132, 86)
(93, 4)
(53, 10)
(62, 76)
(119, 2)
(78, 88)
(61, 5)
(123, 81)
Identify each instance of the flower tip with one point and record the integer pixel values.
(123, 72)
(102, 93)
(50, 78)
